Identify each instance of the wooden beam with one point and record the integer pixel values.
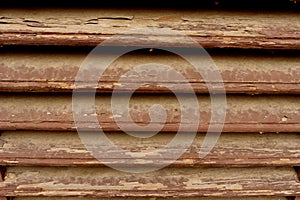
(89, 27)
(151, 198)
(54, 112)
(172, 182)
(232, 149)
(241, 73)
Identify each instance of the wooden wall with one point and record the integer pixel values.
(256, 51)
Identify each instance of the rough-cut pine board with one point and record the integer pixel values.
(152, 198)
(167, 182)
(212, 29)
(244, 113)
(56, 72)
(43, 148)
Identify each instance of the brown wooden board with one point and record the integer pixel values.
(42, 148)
(89, 27)
(241, 73)
(152, 198)
(54, 112)
(168, 182)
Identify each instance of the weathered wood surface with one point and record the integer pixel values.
(54, 112)
(181, 182)
(153, 198)
(65, 149)
(89, 27)
(241, 73)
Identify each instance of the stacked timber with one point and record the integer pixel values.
(257, 156)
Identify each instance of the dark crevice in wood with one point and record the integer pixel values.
(290, 198)
(297, 169)
(86, 49)
(2, 172)
(2, 176)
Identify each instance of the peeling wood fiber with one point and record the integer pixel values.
(181, 182)
(153, 198)
(44, 148)
(54, 112)
(256, 157)
(212, 29)
(56, 72)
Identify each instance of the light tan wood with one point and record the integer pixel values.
(168, 182)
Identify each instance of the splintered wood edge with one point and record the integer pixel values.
(69, 151)
(27, 181)
(244, 114)
(210, 29)
(152, 198)
(46, 72)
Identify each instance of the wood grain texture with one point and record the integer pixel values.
(153, 198)
(54, 112)
(172, 182)
(66, 149)
(241, 73)
(89, 27)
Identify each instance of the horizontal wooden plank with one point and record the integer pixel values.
(151, 198)
(241, 73)
(89, 27)
(172, 182)
(54, 112)
(43, 148)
